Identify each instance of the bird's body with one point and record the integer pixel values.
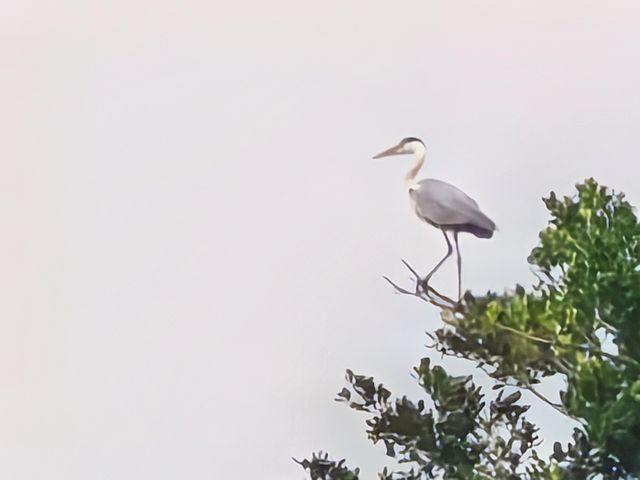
(440, 204)
(448, 208)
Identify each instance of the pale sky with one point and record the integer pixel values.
(195, 233)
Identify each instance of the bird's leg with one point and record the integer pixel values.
(425, 281)
(455, 239)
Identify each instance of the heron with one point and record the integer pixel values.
(441, 205)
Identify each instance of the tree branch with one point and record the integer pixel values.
(592, 349)
(424, 298)
(424, 292)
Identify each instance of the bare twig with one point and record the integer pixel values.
(528, 387)
(598, 351)
(424, 291)
(607, 326)
(523, 334)
(563, 368)
(592, 349)
(418, 295)
(426, 288)
(524, 385)
(557, 407)
(430, 289)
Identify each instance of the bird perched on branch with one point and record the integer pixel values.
(442, 205)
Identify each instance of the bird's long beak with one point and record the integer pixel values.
(395, 150)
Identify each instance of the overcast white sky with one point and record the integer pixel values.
(194, 232)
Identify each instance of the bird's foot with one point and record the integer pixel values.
(423, 284)
(424, 290)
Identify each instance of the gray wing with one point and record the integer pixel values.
(446, 206)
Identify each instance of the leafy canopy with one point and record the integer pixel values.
(580, 321)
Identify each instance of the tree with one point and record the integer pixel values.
(580, 321)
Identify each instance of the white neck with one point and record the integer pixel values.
(419, 152)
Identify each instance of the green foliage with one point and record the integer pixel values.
(580, 322)
(320, 467)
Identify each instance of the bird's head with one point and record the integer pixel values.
(407, 145)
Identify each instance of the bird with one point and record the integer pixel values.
(441, 205)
